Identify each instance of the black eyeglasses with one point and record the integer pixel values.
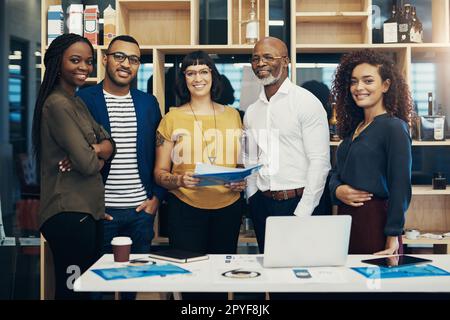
(120, 57)
(267, 58)
(204, 73)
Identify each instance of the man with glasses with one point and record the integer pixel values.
(131, 117)
(286, 130)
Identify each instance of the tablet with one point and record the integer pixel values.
(396, 261)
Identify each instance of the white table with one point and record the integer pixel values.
(207, 276)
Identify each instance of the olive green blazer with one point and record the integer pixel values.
(68, 129)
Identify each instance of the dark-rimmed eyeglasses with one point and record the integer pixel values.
(265, 58)
(204, 73)
(120, 57)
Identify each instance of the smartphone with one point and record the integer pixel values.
(302, 273)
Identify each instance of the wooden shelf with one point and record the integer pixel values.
(344, 48)
(95, 46)
(431, 143)
(220, 49)
(92, 80)
(160, 241)
(427, 190)
(330, 5)
(155, 4)
(335, 143)
(425, 47)
(328, 17)
(423, 240)
(243, 238)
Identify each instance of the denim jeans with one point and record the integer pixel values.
(127, 222)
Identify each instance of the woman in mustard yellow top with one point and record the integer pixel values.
(200, 219)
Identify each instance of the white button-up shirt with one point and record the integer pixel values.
(289, 136)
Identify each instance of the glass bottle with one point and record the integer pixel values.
(404, 24)
(390, 27)
(430, 103)
(333, 123)
(251, 31)
(416, 32)
(441, 114)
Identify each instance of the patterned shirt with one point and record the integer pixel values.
(124, 188)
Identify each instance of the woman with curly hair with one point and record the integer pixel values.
(371, 180)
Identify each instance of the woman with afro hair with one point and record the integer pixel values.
(371, 180)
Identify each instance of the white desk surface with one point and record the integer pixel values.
(206, 277)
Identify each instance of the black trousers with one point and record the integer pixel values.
(206, 231)
(262, 207)
(75, 240)
(202, 230)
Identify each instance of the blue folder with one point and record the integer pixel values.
(425, 270)
(131, 272)
(213, 179)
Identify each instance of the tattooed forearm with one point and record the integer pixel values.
(159, 139)
(169, 181)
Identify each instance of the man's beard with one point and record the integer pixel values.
(267, 81)
(111, 77)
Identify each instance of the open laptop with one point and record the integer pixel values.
(306, 241)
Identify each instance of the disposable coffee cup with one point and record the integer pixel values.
(121, 248)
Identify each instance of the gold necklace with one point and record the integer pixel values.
(211, 157)
(360, 128)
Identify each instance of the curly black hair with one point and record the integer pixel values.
(192, 59)
(397, 100)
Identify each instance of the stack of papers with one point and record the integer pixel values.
(210, 175)
(140, 271)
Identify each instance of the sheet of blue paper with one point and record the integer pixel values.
(425, 270)
(139, 271)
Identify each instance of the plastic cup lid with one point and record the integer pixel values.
(121, 241)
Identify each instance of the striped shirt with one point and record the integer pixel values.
(123, 187)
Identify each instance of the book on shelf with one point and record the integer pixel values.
(178, 256)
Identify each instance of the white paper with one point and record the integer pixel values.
(325, 275)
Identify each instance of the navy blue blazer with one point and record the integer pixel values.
(148, 117)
